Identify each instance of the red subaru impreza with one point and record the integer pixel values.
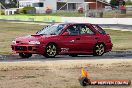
(64, 39)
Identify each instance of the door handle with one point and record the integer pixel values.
(77, 38)
(72, 41)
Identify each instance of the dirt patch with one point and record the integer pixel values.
(61, 73)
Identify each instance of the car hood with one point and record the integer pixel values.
(27, 39)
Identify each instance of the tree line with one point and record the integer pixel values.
(9, 3)
(120, 2)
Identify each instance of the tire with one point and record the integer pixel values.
(99, 49)
(25, 55)
(85, 81)
(73, 55)
(50, 50)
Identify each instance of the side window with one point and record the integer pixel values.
(73, 30)
(99, 29)
(84, 29)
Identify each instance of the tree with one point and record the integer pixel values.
(12, 4)
(128, 2)
(9, 3)
(113, 2)
(117, 2)
(2, 1)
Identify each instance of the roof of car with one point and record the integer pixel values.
(72, 23)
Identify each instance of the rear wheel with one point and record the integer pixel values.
(25, 55)
(51, 50)
(99, 49)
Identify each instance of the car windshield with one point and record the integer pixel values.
(52, 29)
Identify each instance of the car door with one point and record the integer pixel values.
(88, 38)
(69, 43)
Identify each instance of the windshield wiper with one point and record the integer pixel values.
(52, 34)
(42, 34)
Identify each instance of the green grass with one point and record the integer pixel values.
(63, 14)
(122, 40)
(10, 31)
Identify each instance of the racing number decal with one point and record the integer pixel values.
(85, 30)
(64, 50)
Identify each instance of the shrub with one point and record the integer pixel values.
(2, 12)
(27, 10)
(17, 11)
(48, 10)
(80, 10)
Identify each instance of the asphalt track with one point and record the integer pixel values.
(110, 55)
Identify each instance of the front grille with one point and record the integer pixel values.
(30, 48)
(17, 41)
(21, 48)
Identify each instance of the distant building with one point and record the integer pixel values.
(99, 5)
(55, 5)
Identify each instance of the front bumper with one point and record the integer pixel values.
(34, 49)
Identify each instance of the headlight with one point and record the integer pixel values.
(34, 42)
(13, 42)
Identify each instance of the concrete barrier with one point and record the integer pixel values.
(125, 21)
(32, 18)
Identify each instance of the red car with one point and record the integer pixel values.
(64, 39)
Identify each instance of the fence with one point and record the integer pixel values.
(98, 13)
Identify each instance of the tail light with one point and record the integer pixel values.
(109, 38)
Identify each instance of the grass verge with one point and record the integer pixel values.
(121, 39)
(63, 14)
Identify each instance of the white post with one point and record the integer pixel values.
(8, 12)
(96, 4)
(96, 7)
(86, 5)
(67, 6)
(17, 4)
(85, 9)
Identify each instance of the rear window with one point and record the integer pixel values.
(99, 29)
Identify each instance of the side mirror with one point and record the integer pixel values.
(66, 33)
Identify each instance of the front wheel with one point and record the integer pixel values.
(99, 49)
(51, 50)
(25, 55)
